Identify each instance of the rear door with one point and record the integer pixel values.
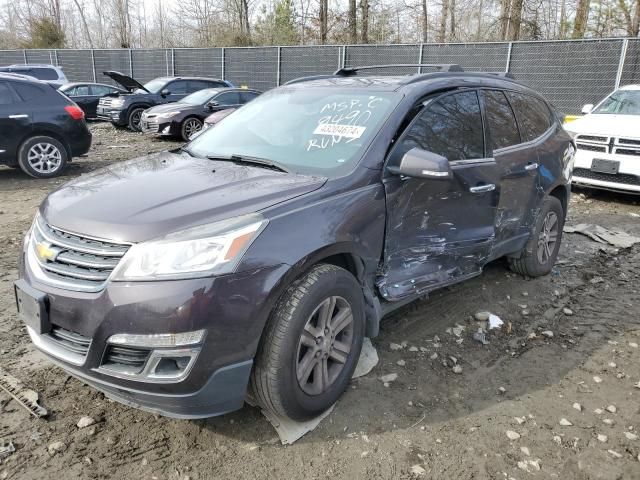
(440, 231)
(15, 122)
(517, 160)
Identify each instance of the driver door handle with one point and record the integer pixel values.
(531, 166)
(483, 188)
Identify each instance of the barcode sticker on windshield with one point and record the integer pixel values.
(336, 130)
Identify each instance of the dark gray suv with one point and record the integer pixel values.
(257, 257)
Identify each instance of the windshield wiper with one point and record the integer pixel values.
(188, 152)
(254, 161)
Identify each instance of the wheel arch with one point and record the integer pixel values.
(561, 192)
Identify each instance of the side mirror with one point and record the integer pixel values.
(587, 108)
(420, 163)
(212, 104)
(165, 93)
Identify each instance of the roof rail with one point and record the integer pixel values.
(308, 79)
(503, 74)
(442, 67)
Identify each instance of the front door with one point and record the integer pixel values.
(440, 231)
(14, 122)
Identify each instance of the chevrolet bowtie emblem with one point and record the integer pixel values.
(46, 252)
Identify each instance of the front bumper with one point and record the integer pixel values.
(626, 180)
(153, 126)
(217, 381)
(117, 116)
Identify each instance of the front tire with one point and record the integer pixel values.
(42, 157)
(539, 255)
(311, 344)
(134, 118)
(190, 126)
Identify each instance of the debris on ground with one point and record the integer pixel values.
(368, 359)
(6, 449)
(26, 398)
(494, 321)
(615, 238)
(56, 447)
(481, 336)
(85, 422)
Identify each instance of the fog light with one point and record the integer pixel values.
(158, 340)
(166, 130)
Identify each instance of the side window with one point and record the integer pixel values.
(80, 90)
(229, 98)
(501, 122)
(195, 85)
(100, 90)
(44, 73)
(451, 127)
(534, 117)
(247, 96)
(28, 91)
(7, 96)
(179, 87)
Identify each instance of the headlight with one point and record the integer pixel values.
(212, 249)
(117, 102)
(168, 114)
(27, 236)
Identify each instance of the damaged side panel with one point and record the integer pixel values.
(438, 232)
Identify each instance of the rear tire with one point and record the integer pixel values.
(540, 253)
(311, 344)
(42, 157)
(134, 118)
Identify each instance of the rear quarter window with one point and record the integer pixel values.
(534, 117)
(7, 97)
(29, 91)
(44, 73)
(501, 121)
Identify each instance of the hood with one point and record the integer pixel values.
(609, 125)
(151, 196)
(168, 107)
(125, 80)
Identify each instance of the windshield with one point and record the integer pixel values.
(200, 97)
(154, 86)
(311, 131)
(622, 102)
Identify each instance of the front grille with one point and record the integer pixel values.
(76, 261)
(623, 178)
(627, 151)
(628, 141)
(592, 138)
(149, 124)
(131, 360)
(591, 148)
(71, 341)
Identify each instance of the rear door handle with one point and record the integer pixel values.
(22, 115)
(531, 166)
(483, 188)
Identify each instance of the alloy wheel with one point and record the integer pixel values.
(44, 157)
(136, 115)
(548, 237)
(324, 345)
(192, 126)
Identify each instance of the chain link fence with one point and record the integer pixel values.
(569, 73)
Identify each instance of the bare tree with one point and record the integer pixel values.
(443, 21)
(364, 22)
(582, 15)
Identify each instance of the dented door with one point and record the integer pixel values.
(440, 231)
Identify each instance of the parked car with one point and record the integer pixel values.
(87, 95)
(261, 254)
(47, 73)
(41, 128)
(125, 109)
(186, 117)
(608, 141)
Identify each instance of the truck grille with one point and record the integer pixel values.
(618, 146)
(623, 178)
(105, 101)
(76, 262)
(71, 341)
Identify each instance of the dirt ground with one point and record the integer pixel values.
(509, 414)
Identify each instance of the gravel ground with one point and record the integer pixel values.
(555, 394)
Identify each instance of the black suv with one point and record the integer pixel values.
(40, 128)
(263, 252)
(125, 109)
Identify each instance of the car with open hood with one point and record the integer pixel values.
(255, 259)
(186, 117)
(125, 109)
(608, 142)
